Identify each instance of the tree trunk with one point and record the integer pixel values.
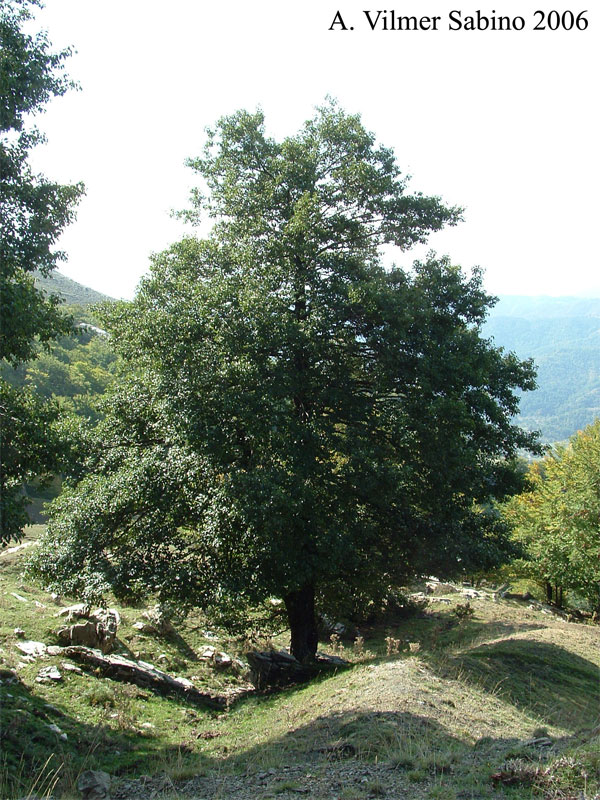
(300, 606)
(548, 592)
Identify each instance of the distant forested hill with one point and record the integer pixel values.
(562, 335)
(76, 368)
(72, 293)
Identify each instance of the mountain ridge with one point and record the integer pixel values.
(544, 306)
(562, 336)
(72, 292)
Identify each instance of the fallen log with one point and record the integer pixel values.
(143, 674)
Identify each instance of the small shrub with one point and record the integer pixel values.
(464, 611)
(392, 646)
(102, 696)
(402, 762)
(537, 733)
(442, 793)
(336, 646)
(413, 606)
(286, 786)
(126, 716)
(375, 788)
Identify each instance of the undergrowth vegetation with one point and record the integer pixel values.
(499, 702)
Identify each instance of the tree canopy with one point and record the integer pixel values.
(298, 421)
(558, 519)
(33, 212)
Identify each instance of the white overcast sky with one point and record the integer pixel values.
(504, 123)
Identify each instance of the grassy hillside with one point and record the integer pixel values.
(562, 336)
(502, 703)
(70, 291)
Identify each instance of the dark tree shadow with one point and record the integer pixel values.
(183, 648)
(541, 678)
(43, 747)
(445, 627)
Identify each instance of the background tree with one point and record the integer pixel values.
(558, 519)
(298, 421)
(75, 369)
(33, 212)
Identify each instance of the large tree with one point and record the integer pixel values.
(298, 421)
(33, 213)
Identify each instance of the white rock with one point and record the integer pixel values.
(78, 610)
(71, 668)
(32, 648)
(223, 660)
(54, 728)
(48, 674)
(441, 588)
(240, 666)
(149, 666)
(184, 682)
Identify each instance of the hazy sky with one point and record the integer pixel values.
(504, 123)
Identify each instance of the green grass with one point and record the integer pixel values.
(443, 718)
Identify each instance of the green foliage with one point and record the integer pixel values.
(29, 446)
(33, 212)
(464, 611)
(76, 369)
(558, 519)
(296, 419)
